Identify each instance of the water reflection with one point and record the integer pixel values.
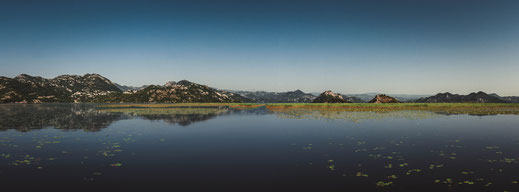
(88, 117)
(265, 148)
(181, 116)
(60, 116)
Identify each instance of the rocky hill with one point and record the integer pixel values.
(381, 98)
(329, 97)
(175, 92)
(296, 96)
(65, 88)
(96, 88)
(479, 97)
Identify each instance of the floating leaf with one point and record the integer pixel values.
(382, 183)
(116, 164)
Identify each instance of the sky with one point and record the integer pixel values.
(404, 47)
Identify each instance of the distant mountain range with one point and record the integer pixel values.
(479, 97)
(129, 88)
(366, 97)
(296, 96)
(96, 88)
(331, 97)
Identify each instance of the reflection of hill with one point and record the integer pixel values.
(348, 115)
(61, 116)
(87, 117)
(182, 120)
(181, 116)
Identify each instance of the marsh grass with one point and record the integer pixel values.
(356, 116)
(446, 108)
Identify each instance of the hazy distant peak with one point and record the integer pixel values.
(494, 94)
(21, 76)
(170, 83)
(26, 76)
(298, 91)
(185, 82)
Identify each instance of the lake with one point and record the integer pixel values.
(81, 146)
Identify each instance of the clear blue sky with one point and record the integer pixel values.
(412, 46)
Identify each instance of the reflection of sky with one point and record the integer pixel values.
(346, 46)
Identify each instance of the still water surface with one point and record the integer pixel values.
(66, 146)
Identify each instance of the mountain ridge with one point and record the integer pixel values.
(93, 87)
(296, 96)
(474, 97)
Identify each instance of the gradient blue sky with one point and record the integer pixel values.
(410, 47)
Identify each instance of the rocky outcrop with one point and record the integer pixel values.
(381, 98)
(329, 97)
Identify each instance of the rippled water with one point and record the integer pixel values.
(65, 146)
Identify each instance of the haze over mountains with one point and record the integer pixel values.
(96, 88)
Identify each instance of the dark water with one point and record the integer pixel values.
(80, 147)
